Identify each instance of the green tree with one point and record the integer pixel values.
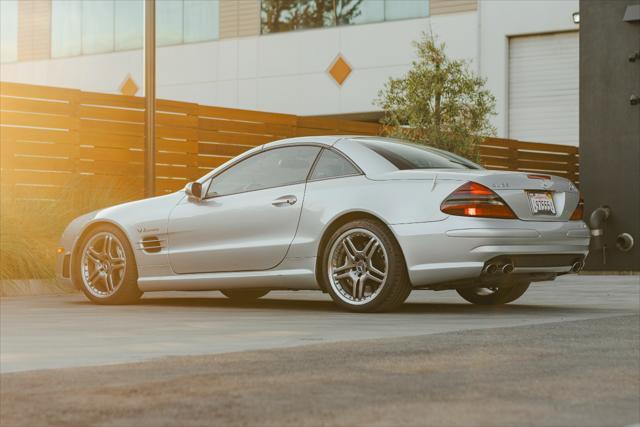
(440, 102)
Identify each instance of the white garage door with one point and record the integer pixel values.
(543, 88)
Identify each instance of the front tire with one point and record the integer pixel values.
(363, 268)
(493, 296)
(105, 267)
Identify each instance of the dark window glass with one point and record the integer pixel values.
(271, 168)
(413, 156)
(332, 165)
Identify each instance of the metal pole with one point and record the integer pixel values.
(150, 97)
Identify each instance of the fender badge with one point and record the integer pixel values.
(147, 230)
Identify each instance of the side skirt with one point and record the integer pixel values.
(293, 273)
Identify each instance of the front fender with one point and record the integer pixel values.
(135, 219)
(67, 243)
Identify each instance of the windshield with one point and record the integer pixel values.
(404, 156)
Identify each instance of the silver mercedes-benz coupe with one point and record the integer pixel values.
(366, 219)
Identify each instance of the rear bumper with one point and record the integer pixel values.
(458, 248)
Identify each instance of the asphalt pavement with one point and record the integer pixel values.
(567, 353)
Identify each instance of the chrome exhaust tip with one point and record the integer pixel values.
(491, 269)
(577, 266)
(507, 268)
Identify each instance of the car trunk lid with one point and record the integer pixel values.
(515, 188)
(533, 196)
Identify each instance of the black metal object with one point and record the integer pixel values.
(597, 221)
(66, 266)
(610, 126)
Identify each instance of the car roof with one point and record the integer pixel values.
(319, 139)
(330, 139)
(369, 162)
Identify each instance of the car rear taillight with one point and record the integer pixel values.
(579, 212)
(473, 199)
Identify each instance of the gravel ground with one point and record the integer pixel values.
(575, 373)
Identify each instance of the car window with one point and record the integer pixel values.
(271, 168)
(413, 156)
(332, 165)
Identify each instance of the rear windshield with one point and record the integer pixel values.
(404, 156)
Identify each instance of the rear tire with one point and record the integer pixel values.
(104, 267)
(491, 296)
(363, 268)
(244, 295)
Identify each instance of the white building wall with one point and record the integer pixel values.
(284, 72)
(287, 72)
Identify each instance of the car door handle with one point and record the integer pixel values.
(285, 201)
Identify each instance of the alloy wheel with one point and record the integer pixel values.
(103, 264)
(358, 266)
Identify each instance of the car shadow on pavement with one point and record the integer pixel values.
(409, 308)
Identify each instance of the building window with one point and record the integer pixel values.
(369, 11)
(200, 20)
(169, 22)
(405, 9)
(66, 28)
(129, 25)
(8, 30)
(278, 16)
(81, 27)
(97, 26)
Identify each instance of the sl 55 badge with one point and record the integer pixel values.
(500, 185)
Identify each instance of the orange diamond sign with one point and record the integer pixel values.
(340, 70)
(129, 86)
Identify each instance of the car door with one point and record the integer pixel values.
(248, 217)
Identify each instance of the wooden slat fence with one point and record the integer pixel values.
(509, 154)
(50, 137)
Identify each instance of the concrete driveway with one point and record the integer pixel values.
(68, 331)
(567, 354)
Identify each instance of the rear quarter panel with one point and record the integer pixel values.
(393, 202)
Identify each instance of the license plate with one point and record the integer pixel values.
(541, 203)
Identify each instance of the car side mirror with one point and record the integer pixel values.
(194, 190)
